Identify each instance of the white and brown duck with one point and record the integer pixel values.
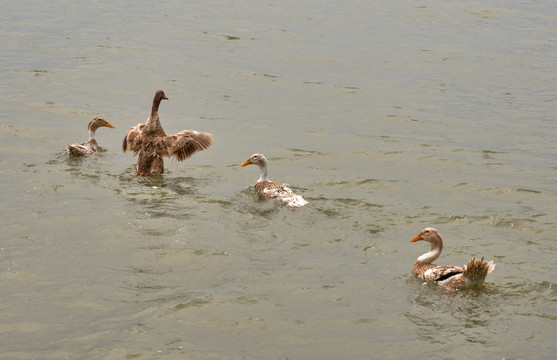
(270, 189)
(450, 277)
(151, 144)
(89, 147)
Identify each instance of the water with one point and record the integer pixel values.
(386, 116)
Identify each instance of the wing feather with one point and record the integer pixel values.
(184, 144)
(133, 140)
(281, 192)
(440, 273)
(272, 189)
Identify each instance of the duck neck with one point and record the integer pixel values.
(432, 255)
(263, 173)
(155, 107)
(92, 134)
(153, 124)
(159, 96)
(153, 119)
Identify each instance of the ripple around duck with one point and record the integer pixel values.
(444, 219)
(247, 201)
(528, 190)
(186, 301)
(351, 202)
(361, 184)
(441, 316)
(515, 223)
(543, 291)
(305, 153)
(225, 204)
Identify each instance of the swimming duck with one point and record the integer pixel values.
(151, 143)
(90, 146)
(450, 277)
(270, 189)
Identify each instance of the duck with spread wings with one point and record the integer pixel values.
(151, 144)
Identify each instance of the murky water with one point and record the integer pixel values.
(386, 116)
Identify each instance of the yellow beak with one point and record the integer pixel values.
(417, 238)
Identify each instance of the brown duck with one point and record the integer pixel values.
(91, 146)
(450, 277)
(151, 144)
(271, 189)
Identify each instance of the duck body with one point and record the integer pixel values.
(89, 147)
(271, 189)
(151, 144)
(450, 277)
(86, 148)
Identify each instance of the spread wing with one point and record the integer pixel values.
(132, 140)
(183, 144)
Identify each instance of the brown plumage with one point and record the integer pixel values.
(270, 189)
(90, 146)
(151, 144)
(450, 277)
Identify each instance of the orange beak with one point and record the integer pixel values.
(417, 238)
(247, 162)
(107, 124)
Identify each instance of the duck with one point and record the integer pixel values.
(270, 189)
(150, 142)
(452, 278)
(91, 146)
